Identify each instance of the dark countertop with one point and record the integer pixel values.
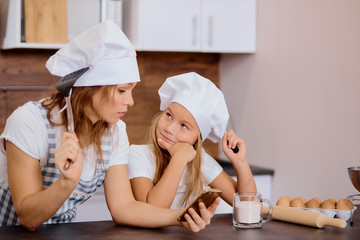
(228, 168)
(220, 228)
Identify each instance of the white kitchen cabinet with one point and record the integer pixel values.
(191, 25)
(12, 27)
(263, 185)
(80, 15)
(162, 25)
(228, 26)
(95, 209)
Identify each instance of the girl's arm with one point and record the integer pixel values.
(35, 204)
(125, 210)
(163, 193)
(245, 180)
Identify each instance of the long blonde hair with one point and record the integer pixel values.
(194, 179)
(81, 97)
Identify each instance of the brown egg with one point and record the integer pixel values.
(313, 203)
(303, 199)
(332, 200)
(297, 202)
(317, 199)
(328, 204)
(288, 198)
(284, 201)
(344, 204)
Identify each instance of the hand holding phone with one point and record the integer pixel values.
(208, 196)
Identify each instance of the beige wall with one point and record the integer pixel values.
(296, 101)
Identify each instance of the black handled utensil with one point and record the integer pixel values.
(236, 149)
(64, 86)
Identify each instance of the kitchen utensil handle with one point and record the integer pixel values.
(333, 222)
(69, 115)
(70, 125)
(236, 149)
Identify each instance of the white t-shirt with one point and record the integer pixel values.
(26, 129)
(142, 164)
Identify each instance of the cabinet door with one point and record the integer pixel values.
(228, 26)
(169, 25)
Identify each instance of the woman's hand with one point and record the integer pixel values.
(69, 149)
(180, 150)
(194, 222)
(229, 141)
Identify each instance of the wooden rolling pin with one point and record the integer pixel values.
(304, 217)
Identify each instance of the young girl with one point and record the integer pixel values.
(35, 187)
(174, 169)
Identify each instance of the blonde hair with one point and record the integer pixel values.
(86, 131)
(194, 179)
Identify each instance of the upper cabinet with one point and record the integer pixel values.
(51, 23)
(27, 23)
(228, 26)
(224, 26)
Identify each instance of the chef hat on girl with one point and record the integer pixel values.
(201, 98)
(103, 48)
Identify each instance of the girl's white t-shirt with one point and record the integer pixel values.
(142, 164)
(26, 129)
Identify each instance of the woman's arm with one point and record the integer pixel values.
(35, 204)
(125, 210)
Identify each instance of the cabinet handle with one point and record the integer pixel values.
(194, 22)
(210, 32)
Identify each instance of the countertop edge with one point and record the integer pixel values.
(256, 170)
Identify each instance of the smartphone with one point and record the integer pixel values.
(208, 196)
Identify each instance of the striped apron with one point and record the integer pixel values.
(50, 173)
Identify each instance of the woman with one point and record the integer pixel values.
(174, 169)
(36, 185)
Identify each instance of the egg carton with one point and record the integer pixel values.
(331, 213)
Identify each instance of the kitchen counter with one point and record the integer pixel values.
(228, 168)
(220, 228)
(95, 208)
(263, 178)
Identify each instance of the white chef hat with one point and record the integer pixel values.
(105, 49)
(201, 98)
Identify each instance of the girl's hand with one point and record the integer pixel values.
(69, 149)
(195, 223)
(230, 141)
(180, 150)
